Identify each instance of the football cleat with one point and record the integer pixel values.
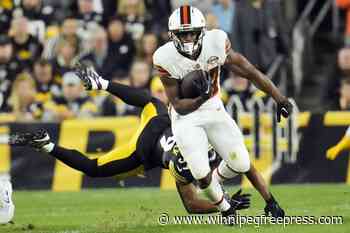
(90, 78)
(36, 140)
(273, 209)
(7, 208)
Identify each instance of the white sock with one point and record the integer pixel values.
(104, 83)
(48, 147)
(216, 195)
(223, 205)
(223, 172)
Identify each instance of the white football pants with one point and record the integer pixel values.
(194, 131)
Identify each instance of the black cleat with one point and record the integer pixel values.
(88, 75)
(81, 70)
(36, 140)
(273, 209)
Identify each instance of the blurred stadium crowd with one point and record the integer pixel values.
(41, 40)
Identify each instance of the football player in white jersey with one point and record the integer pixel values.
(344, 144)
(199, 121)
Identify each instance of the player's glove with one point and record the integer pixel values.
(240, 201)
(273, 209)
(204, 86)
(284, 108)
(90, 78)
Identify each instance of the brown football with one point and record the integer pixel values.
(188, 89)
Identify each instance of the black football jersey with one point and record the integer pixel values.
(173, 160)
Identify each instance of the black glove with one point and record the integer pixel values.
(240, 201)
(204, 85)
(284, 108)
(273, 209)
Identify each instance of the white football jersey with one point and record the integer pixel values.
(214, 51)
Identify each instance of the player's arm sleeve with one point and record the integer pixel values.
(191, 201)
(159, 65)
(161, 71)
(129, 95)
(223, 45)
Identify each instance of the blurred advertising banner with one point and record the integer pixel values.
(292, 151)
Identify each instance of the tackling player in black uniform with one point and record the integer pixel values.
(152, 146)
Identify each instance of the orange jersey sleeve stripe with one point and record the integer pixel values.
(161, 70)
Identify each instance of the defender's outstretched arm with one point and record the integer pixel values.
(192, 203)
(196, 205)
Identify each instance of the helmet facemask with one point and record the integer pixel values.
(190, 48)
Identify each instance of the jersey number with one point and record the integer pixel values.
(167, 143)
(182, 165)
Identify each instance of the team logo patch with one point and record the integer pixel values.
(197, 66)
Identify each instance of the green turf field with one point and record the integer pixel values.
(137, 210)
